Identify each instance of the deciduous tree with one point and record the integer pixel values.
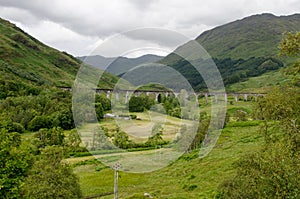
(50, 177)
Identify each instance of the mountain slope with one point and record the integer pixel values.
(118, 65)
(30, 60)
(26, 63)
(241, 49)
(254, 36)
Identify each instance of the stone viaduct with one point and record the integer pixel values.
(216, 95)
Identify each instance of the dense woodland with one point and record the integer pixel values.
(231, 70)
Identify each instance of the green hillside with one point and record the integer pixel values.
(254, 36)
(241, 49)
(260, 84)
(26, 63)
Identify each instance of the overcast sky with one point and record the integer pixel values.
(78, 26)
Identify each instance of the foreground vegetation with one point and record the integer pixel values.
(189, 176)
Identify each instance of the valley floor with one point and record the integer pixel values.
(187, 177)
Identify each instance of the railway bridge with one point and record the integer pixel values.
(110, 93)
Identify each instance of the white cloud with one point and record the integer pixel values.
(75, 26)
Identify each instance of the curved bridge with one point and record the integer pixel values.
(127, 93)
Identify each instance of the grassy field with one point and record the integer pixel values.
(186, 177)
(140, 130)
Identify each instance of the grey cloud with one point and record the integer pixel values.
(101, 19)
(160, 36)
(18, 15)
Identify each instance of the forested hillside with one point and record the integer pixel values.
(241, 49)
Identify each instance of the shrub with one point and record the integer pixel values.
(133, 117)
(49, 177)
(13, 127)
(106, 104)
(99, 111)
(136, 104)
(39, 122)
(64, 119)
(50, 137)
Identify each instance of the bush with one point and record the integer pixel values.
(39, 122)
(133, 117)
(14, 164)
(50, 137)
(155, 140)
(241, 115)
(49, 177)
(13, 127)
(122, 141)
(140, 103)
(106, 104)
(99, 111)
(64, 119)
(136, 104)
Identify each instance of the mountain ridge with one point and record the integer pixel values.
(118, 65)
(249, 27)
